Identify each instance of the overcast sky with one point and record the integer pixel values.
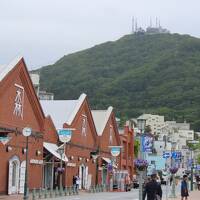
(45, 30)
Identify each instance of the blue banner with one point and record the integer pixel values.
(147, 143)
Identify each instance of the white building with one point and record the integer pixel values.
(156, 122)
(36, 82)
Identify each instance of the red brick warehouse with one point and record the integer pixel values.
(19, 108)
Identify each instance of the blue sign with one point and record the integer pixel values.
(115, 151)
(166, 155)
(147, 144)
(65, 135)
(174, 154)
(198, 167)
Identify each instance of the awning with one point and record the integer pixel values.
(52, 148)
(107, 160)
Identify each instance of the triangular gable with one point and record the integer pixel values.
(17, 71)
(101, 120)
(75, 116)
(50, 131)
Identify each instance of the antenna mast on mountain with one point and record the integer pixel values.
(133, 28)
(156, 22)
(150, 22)
(136, 25)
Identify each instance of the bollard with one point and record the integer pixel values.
(93, 189)
(40, 193)
(65, 191)
(56, 192)
(70, 191)
(51, 193)
(34, 194)
(45, 193)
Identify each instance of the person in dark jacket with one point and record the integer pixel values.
(184, 188)
(153, 190)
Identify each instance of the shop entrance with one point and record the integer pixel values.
(83, 175)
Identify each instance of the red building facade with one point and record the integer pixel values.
(127, 154)
(108, 136)
(19, 108)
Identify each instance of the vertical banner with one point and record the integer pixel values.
(147, 143)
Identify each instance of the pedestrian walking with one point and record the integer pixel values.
(171, 179)
(77, 182)
(74, 181)
(184, 188)
(153, 189)
(198, 182)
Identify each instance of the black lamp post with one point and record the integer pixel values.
(95, 156)
(26, 132)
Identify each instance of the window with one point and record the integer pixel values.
(14, 173)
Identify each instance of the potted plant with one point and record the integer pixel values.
(141, 164)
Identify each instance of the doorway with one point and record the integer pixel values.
(13, 175)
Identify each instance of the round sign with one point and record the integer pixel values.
(115, 151)
(65, 135)
(26, 131)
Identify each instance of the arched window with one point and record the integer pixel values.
(14, 173)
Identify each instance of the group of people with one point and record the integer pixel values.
(153, 191)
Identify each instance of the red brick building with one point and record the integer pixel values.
(76, 114)
(19, 108)
(108, 135)
(127, 154)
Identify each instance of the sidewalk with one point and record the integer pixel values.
(195, 195)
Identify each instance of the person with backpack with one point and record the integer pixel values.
(184, 188)
(153, 189)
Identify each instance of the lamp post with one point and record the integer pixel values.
(95, 156)
(141, 125)
(65, 135)
(115, 151)
(173, 189)
(26, 133)
(192, 161)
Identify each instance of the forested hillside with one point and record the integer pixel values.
(135, 74)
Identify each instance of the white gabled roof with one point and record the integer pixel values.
(5, 69)
(101, 118)
(62, 111)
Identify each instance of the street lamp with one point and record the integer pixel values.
(95, 156)
(61, 152)
(115, 151)
(26, 132)
(192, 161)
(65, 135)
(141, 125)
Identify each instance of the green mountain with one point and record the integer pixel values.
(137, 73)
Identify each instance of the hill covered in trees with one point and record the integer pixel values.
(135, 74)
